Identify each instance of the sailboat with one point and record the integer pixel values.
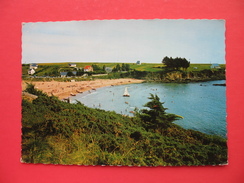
(126, 93)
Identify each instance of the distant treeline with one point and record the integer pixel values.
(57, 132)
(176, 63)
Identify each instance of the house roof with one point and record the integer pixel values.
(108, 69)
(87, 67)
(72, 64)
(63, 73)
(215, 64)
(138, 62)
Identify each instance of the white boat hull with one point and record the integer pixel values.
(126, 93)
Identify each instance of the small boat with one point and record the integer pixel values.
(78, 91)
(219, 84)
(72, 94)
(126, 93)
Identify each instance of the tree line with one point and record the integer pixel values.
(176, 63)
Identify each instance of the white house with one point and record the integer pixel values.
(31, 71)
(88, 68)
(108, 69)
(72, 65)
(33, 66)
(63, 74)
(215, 66)
(138, 62)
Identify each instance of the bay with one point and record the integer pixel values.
(202, 105)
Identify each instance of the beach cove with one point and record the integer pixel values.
(202, 105)
(66, 89)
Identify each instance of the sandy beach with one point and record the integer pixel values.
(65, 89)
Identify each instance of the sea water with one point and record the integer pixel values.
(202, 105)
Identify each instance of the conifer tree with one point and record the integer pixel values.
(155, 117)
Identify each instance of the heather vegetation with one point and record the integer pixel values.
(56, 132)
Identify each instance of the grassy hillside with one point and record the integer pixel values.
(48, 68)
(147, 67)
(61, 133)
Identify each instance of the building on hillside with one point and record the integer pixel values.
(108, 69)
(31, 71)
(215, 66)
(72, 65)
(63, 74)
(88, 68)
(33, 66)
(138, 62)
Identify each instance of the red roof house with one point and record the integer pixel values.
(88, 68)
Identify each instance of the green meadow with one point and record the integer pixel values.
(49, 68)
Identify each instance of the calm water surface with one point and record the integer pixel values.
(202, 105)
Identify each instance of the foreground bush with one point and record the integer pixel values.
(55, 132)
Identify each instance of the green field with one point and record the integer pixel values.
(47, 68)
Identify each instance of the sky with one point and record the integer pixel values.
(128, 41)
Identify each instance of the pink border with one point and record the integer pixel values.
(13, 13)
